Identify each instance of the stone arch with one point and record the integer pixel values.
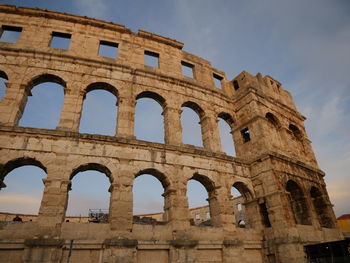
(24, 107)
(46, 77)
(214, 208)
(89, 122)
(92, 166)
(244, 214)
(272, 119)
(13, 164)
(3, 75)
(321, 207)
(225, 125)
(296, 131)
(205, 181)
(164, 181)
(147, 110)
(244, 190)
(195, 107)
(201, 136)
(152, 95)
(102, 86)
(227, 117)
(298, 203)
(100, 216)
(23, 184)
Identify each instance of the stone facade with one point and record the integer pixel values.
(285, 196)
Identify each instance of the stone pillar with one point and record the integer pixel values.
(227, 212)
(172, 126)
(121, 204)
(71, 110)
(126, 117)
(176, 209)
(13, 103)
(210, 132)
(253, 216)
(215, 210)
(54, 202)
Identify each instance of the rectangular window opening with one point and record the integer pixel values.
(208, 215)
(187, 69)
(235, 85)
(108, 49)
(151, 59)
(10, 34)
(197, 216)
(60, 40)
(245, 135)
(218, 81)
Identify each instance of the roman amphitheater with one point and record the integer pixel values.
(285, 197)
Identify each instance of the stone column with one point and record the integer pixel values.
(210, 132)
(253, 216)
(172, 126)
(215, 210)
(54, 202)
(176, 209)
(71, 110)
(121, 202)
(13, 103)
(126, 117)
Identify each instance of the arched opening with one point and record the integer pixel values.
(149, 198)
(225, 128)
(192, 130)
(21, 183)
(202, 201)
(296, 132)
(298, 203)
(99, 114)
(272, 119)
(89, 195)
(241, 224)
(321, 208)
(45, 100)
(149, 121)
(240, 195)
(3, 80)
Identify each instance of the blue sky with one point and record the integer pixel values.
(303, 44)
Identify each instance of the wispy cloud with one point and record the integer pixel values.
(19, 203)
(92, 8)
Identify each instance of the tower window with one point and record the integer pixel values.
(235, 85)
(151, 59)
(60, 40)
(187, 69)
(218, 80)
(108, 49)
(245, 135)
(10, 34)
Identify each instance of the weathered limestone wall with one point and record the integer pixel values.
(285, 198)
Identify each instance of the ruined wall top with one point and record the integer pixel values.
(86, 33)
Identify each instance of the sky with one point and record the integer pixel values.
(304, 44)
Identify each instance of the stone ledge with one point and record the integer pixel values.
(183, 243)
(124, 242)
(44, 242)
